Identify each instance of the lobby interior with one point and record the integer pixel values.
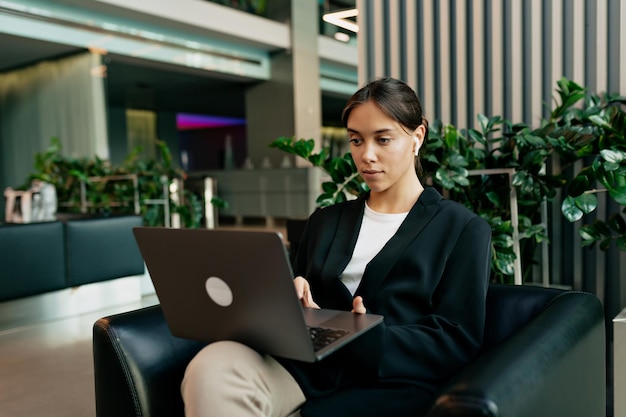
(46, 336)
(39, 341)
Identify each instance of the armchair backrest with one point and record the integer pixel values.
(509, 307)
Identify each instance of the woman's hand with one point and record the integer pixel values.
(358, 306)
(304, 292)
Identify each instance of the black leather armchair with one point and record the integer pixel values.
(543, 355)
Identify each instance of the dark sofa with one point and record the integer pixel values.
(41, 257)
(543, 355)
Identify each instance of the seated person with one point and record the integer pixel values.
(400, 251)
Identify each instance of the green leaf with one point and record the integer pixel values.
(325, 200)
(502, 227)
(461, 180)
(476, 136)
(81, 175)
(569, 209)
(602, 228)
(444, 179)
(340, 198)
(457, 160)
(617, 223)
(581, 182)
(494, 197)
(587, 243)
(329, 187)
(431, 158)
(606, 244)
(505, 266)
(619, 195)
(599, 121)
(451, 135)
(484, 123)
(219, 202)
(612, 156)
(345, 167)
(299, 148)
(621, 243)
(570, 94)
(317, 159)
(586, 202)
(519, 178)
(588, 232)
(532, 140)
(611, 166)
(283, 143)
(607, 178)
(503, 241)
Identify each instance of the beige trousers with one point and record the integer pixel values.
(228, 379)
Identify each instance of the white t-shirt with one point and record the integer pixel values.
(376, 230)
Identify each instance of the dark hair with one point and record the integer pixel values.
(394, 98)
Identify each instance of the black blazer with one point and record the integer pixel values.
(429, 282)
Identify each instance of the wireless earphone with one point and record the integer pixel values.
(417, 145)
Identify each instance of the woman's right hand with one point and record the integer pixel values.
(304, 292)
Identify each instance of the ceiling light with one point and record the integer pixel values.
(342, 19)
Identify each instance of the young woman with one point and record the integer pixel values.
(401, 251)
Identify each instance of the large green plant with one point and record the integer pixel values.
(66, 174)
(115, 197)
(601, 127)
(572, 133)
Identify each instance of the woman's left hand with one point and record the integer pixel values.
(303, 290)
(358, 306)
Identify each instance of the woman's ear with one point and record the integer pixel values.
(418, 137)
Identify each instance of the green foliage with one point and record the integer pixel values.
(344, 179)
(115, 196)
(591, 132)
(600, 142)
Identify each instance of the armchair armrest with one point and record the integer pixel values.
(139, 365)
(555, 365)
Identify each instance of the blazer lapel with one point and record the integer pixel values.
(417, 219)
(344, 241)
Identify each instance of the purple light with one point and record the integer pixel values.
(186, 121)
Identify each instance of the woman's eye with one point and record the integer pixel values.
(384, 140)
(355, 141)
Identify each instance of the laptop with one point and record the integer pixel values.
(216, 284)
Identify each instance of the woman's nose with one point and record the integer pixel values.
(369, 152)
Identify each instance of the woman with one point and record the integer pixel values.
(400, 251)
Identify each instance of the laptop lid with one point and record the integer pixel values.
(216, 284)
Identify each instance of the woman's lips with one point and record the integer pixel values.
(370, 173)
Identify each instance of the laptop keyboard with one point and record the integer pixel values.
(321, 336)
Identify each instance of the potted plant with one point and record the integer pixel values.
(108, 189)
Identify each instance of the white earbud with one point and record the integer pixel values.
(417, 145)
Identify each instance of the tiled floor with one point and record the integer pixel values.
(46, 368)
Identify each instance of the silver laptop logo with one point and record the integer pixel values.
(219, 291)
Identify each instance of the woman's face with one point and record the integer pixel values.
(384, 153)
